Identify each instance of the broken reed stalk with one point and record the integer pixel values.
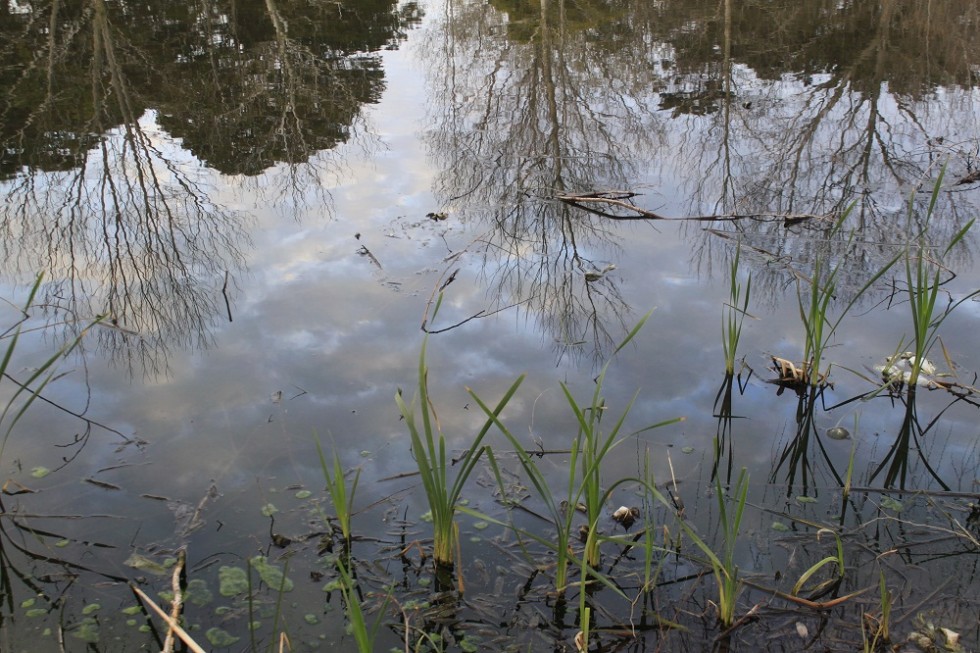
(170, 621)
(178, 601)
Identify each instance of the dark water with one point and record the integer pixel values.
(260, 202)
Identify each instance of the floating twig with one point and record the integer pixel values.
(619, 199)
(171, 623)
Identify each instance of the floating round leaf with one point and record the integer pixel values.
(838, 433)
(220, 638)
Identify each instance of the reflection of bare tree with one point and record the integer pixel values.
(128, 223)
(118, 212)
(817, 115)
(524, 119)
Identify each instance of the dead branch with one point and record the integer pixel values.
(620, 199)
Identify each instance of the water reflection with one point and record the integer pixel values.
(715, 109)
(106, 115)
(520, 118)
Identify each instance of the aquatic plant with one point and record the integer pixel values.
(879, 627)
(364, 634)
(594, 445)
(814, 305)
(727, 581)
(738, 304)
(429, 450)
(584, 486)
(923, 280)
(341, 496)
(836, 559)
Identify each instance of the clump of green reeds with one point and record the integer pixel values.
(837, 559)
(593, 445)
(584, 485)
(924, 279)
(815, 304)
(738, 304)
(429, 450)
(364, 633)
(727, 580)
(341, 496)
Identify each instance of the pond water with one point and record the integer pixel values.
(249, 218)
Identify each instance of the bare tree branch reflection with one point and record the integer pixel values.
(119, 212)
(523, 118)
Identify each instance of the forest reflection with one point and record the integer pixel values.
(720, 108)
(107, 111)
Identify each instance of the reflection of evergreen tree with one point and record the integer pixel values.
(245, 85)
(913, 48)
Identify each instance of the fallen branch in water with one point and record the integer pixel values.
(620, 198)
(177, 603)
(181, 633)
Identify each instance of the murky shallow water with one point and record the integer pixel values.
(270, 279)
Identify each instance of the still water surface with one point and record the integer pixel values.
(263, 202)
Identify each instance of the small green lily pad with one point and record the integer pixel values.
(687, 450)
(891, 504)
(131, 610)
(780, 526)
(303, 494)
(232, 581)
(481, 525)
(91, 608)
(87, 631)
(271, 575)
(802, 499)
(219, 637)
(269, 510)
(40, 472)
(311, 619)
(36, 612)
(28, 603)
(198, 593)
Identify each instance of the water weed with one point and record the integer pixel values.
(583, 486)
(924, 280)
(433, 461)
(593, 444)
(727, 581)
(738, 304)
(364, 634)
(815, 304)
(341, 496)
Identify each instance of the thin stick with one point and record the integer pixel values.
(224, 291)
(181, 633)
(178, 601)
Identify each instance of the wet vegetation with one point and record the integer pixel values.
(444, 491)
